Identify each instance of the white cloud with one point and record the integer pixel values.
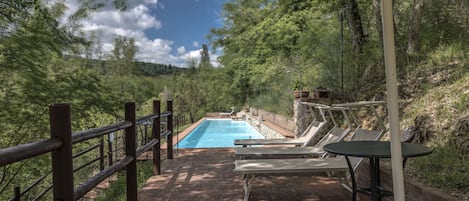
(195, 54)
(110, 22)
(181, 50)
(151, 1)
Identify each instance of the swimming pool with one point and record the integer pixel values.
(212, 133)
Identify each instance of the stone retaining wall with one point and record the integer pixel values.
(256, 122)
(282, 121)
(269, 133)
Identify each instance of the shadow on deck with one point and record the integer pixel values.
(207, 174)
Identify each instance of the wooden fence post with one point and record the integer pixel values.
(17, 191)
(130, 150)
(156, 134)
(169, 125)
(101, 153)
(62, 162)
(109, 148)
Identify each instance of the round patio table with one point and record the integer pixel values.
(373, 150)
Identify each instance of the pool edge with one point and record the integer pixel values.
(184, 133)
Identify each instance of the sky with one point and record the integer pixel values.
(165, 31)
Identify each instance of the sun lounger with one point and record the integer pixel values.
(336, 134)
(255, 167)
(310, 133)
(252, 168)
(227, 113)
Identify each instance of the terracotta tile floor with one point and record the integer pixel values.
(207, 174)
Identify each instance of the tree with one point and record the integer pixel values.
(204, 57)
(123, 55)
(415, 20)
(352, 14)
(35, 71)
(190, 98)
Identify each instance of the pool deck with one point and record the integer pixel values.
(207, 174)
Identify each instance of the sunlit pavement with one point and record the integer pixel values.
(207, 174)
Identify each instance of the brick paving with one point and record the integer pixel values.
(207, 174)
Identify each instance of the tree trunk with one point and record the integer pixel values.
(415, 20)
(192, 116)
(378, 20)
(355, 23)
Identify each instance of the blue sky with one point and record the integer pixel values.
(165, 31)
(187, 22)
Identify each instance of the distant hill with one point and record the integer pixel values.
(152, 69)
(141, 68)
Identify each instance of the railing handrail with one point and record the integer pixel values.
(81, 136)
(24, 151)
(61, 147)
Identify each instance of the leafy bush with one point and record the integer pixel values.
(117, 189)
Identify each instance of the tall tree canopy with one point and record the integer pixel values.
(268, 45)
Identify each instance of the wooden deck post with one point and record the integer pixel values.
(62, 162)
(156, 134)
(17, 191)
(169, 125)
(101, 153)
(109, 148)
(130, 150)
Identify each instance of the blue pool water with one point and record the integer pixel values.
(213, 133)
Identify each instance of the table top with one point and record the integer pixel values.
(375, 149)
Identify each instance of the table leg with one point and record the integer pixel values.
(378, 175)
(374, 180)
(352, 177)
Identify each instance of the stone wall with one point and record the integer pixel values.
(300, 117)
(269, 133)
(256, 121)
(282, 121)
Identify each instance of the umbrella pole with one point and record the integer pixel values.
(392, 100)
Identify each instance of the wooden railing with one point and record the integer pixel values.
(62, 140)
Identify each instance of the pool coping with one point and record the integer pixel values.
(184, 133)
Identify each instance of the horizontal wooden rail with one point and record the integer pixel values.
(147, 146)
(146, 118)
(61, 143)
(97, 132)
(166, 114)
(166, 133)
(29, 150)
(101, 176)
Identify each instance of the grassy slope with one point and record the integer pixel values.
(436, 103)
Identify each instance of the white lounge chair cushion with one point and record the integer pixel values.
(281, 141)
(265, 151)
(294, 165)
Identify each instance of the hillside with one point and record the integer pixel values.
(435, 104)
(154, 70)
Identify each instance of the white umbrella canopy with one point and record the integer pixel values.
(392, 100)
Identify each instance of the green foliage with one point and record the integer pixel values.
(154, 70)
(267, 45)
(117, 189)
(446, 168)
(39, 66)
(263, 39)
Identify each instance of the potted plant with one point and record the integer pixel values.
(299, 91)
